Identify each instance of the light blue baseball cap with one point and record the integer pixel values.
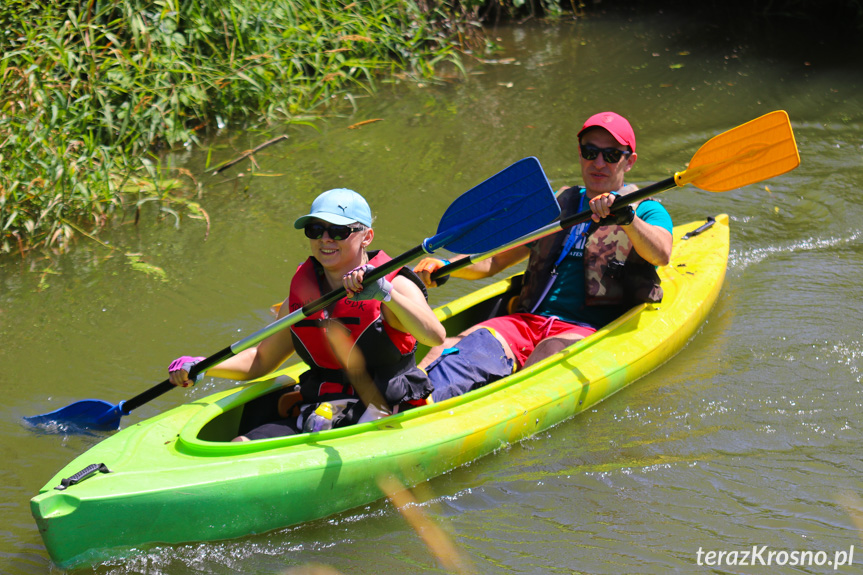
(341, 207)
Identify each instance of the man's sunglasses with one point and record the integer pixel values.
(315, 231)
(610, 155)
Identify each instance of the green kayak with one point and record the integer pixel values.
(177, 478)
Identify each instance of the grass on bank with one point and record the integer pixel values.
(91, 91)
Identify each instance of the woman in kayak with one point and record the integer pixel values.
(360, 350)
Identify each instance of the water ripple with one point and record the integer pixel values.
(740, 259)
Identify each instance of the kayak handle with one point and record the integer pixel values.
(82, 475)
(710, 221)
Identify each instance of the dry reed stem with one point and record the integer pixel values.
(433, 536)
(354, 365)
(853, 506)
(249, 153)
(363, 123)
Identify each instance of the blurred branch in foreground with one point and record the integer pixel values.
(434, 537)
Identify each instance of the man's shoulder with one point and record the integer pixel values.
(568, 192)
(569, 198)
(654, 213)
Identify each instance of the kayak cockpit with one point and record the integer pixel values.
(218, 422)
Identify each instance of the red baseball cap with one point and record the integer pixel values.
(615, 124)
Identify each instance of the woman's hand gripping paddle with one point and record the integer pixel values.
(752, 152)
(508, 205)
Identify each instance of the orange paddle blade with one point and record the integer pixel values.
(752, 152)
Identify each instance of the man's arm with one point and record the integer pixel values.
(481, 269)
(653, 243)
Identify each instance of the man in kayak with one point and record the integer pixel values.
(360, 349)
(576, 281)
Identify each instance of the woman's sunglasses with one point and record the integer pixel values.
(315, 231)
(610, 155)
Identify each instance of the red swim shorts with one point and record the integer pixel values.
(523, 331)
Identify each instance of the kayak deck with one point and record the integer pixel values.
(181, 464)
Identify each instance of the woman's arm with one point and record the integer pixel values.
(408, 311)
(251, 363)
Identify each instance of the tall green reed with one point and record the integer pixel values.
(92, 91)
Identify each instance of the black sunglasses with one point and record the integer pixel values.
(315, 231)
(610, 155)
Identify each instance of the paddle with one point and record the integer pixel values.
(757, 150)
(503, 207)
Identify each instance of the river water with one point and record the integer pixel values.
(749, 437)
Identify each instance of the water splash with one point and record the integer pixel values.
(740, 259)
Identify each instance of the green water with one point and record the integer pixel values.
(749, 437)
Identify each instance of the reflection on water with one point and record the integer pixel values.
(748, 437)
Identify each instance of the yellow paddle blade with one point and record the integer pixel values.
(752, 152)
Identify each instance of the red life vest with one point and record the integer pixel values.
(387, 353)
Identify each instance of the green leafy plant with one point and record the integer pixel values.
(92, 92)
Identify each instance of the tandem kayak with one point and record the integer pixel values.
(177, 478)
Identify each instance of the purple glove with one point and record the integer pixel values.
(185, 363)
(379, 290)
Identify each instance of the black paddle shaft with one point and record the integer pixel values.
(554, 227)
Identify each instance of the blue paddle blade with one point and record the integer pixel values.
(87, 413)
(508, 205)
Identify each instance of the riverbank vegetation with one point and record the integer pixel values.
(93, 91)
